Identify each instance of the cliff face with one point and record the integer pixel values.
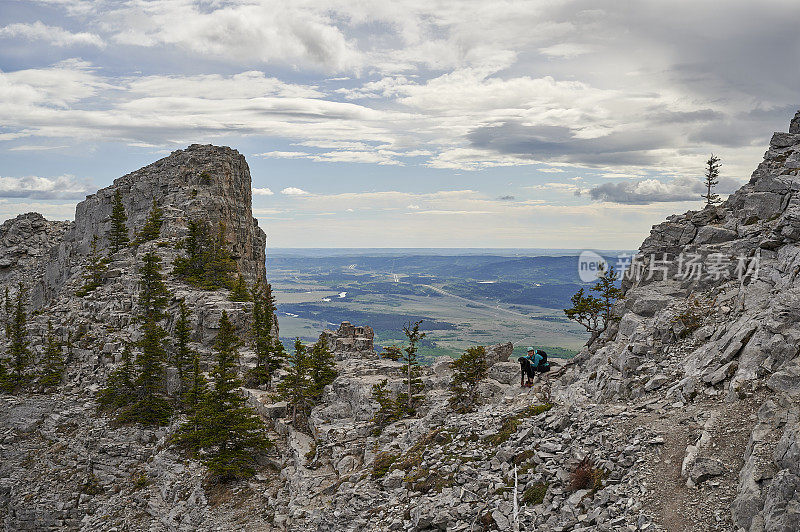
(24, 241)
(202, 182)
(714, 329)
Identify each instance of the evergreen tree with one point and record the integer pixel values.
(93, 276)
(297, 388)
(412, 396)
(53, 367)
(190, 268)
(392, 353)
(150, 406)
(220, 265)
(468, 371)
(594, 313)
(270, 354)
(208, 263)
(118, 234)
(5, 378)
(153, 295)
(228, 431)
(388, 408)
(322, 368)
(190, 434)
(586, 310)
(608, 291)
(8, 316)
(184, 355)
(239, 291)
(152, 224)
(18, 347)
(712, 179)
(118, 391)
(146, 403)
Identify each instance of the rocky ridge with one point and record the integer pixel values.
(687, 409)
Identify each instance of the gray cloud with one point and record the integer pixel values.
(646, 191)
(559, 143)
(507, 198)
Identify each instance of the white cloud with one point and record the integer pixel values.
(262, 192)
(51, 34)
(247, 31)
(62, 187)
(293, 191)
(282, 154)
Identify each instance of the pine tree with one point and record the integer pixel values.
(412, 397)
(712, 179)
(270, 354)
(608, 291)
(388, 408)
(208, 264)
(18, 342)
(153, 295)
(322, 368)
(239, 291)
(152, 224)
(392, 353)
(118, 391)
(230, 433)
(297, 388)
(93, 276)
(595, 313)
(150, 406)
(8, 317)
(190, 434)
(468, 371)
(53, 368)
(190, 268)
(219, 266)
(118, 234)
(183, 355)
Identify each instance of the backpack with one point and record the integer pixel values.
(543, 355)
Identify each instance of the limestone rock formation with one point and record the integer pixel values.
(204, 182)
(350, 341)
(24, 241)
(712, 336)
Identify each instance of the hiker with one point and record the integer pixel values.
(535, 361)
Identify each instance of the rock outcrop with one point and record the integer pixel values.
(713, 334)
(202, 182)
(350, 341)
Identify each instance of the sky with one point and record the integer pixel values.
(404, 123)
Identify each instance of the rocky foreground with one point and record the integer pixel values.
(685, 411)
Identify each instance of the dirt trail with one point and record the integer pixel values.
(674, 506)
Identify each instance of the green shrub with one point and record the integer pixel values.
(383, 464)
(510, 424)
(535, 494)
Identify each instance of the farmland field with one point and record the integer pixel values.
(463, 297)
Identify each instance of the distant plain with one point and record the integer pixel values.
(464, 297)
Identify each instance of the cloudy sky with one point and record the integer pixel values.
(417, 123)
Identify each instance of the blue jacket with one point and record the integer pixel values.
(535, 359)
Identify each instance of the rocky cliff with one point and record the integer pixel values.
(683, 416)
(709, 329)
(202, 182)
